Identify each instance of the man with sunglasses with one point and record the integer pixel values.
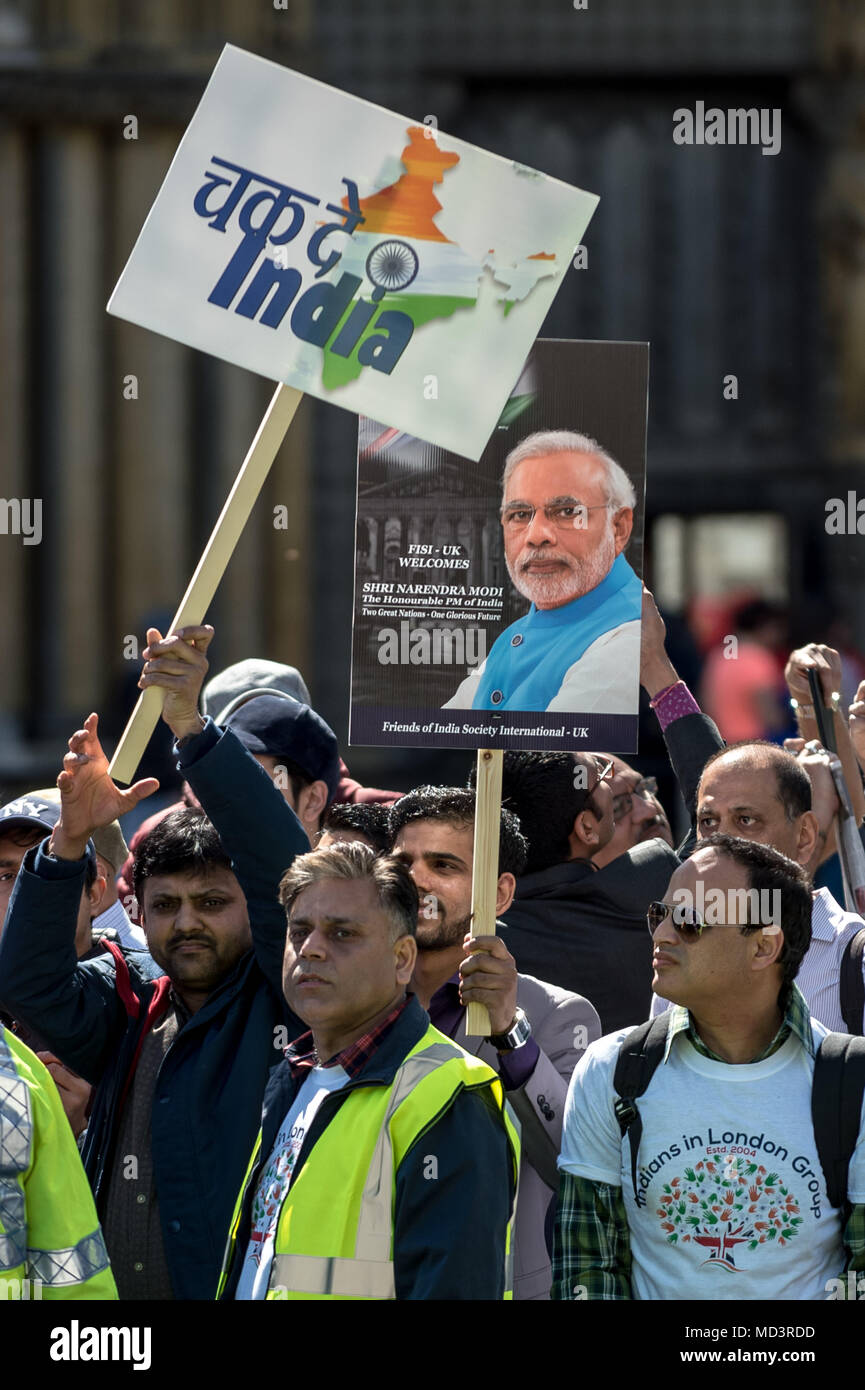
(567, 514)
(768, 795)
(726, 1197)
(578, 926)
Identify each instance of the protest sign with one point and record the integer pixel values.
(352, 253)
(491, 618)
(328, 261)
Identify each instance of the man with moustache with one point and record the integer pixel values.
(178, 1058)
(567, 513)
(386, 1166)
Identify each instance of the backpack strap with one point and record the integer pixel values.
(852, 983)
(836, 1107)
(639, 1056)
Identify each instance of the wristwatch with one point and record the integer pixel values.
(519, 1032)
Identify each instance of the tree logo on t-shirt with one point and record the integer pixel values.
(721, 1205)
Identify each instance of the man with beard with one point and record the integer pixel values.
(179, 1053)
(538, 1032)
(567, 513)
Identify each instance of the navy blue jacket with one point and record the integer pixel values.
(95, 1014)
(449, 1231)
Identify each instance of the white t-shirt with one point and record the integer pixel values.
(735, 1203)
(276, 1177)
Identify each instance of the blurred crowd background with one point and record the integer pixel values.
(728, 261)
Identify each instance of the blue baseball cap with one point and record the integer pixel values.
(35, 810)
(284, 728)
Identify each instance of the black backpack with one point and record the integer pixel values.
(852, 984)
(836, 1098)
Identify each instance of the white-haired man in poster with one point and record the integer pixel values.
(567, 513)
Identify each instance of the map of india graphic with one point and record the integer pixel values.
(722, 1206)
(414, 266)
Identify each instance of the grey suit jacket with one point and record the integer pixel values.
(563, 1025)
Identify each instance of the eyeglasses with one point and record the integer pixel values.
(565, 516)
(605, 770)
(687, 922)
(623, 804)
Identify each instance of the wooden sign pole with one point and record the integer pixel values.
(485, 876)
(211, 567)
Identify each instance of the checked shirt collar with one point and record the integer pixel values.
(302, 1057)
(797, 1019)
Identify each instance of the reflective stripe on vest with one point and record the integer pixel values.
(370, 1274)
(336, 1278)
(16, 1139)
(59, 1268)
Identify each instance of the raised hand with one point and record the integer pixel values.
(88, 797)
(178, 665)
(656, 669)
(815, 657)
(856, 725)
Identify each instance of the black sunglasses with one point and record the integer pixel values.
(688, 923)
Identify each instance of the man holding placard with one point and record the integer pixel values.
(333, 264)
(179, 1062)
(348, 959)
(537, 1032)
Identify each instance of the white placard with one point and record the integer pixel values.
(363, 257)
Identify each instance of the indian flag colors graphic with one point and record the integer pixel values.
(351, 252)
(408, 263)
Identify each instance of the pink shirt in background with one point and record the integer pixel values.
(730, 685)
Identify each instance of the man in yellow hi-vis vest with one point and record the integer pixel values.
(387, 1165)
(51, 1246)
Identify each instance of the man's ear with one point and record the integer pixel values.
(95, 894)
(769, 944)
(809, 834)
(623, 521)
(312, 801)
(587, 829)
(505, 889)
(405, 958)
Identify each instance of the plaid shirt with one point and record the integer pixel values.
(302, 1056)
(592, 1247)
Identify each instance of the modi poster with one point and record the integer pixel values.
(497, 603)
(352, 253)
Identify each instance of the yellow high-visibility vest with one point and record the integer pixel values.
(51, 1246)
(334, 1234)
